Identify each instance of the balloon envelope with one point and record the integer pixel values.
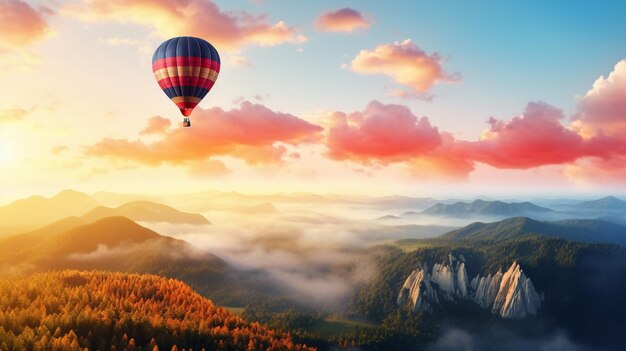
(186, 69)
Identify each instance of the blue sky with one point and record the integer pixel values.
(80, 75)
(507, 53)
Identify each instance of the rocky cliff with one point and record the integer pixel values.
(517, 296)
(419, 291)
(511, 295)
(451, 278)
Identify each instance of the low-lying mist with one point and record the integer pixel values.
(497, 338)
(313, 259)
(312, 253)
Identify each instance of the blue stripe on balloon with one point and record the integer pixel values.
(170, 51)
(182, 50)
(172, 48)
(194, 47)
(194, 50)
(199, 92)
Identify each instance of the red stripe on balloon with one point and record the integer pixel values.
(186, 104)
(167, 82)
(185, 61)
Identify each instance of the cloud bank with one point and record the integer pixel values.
(228, 31)
(590, 144)
(342, 20)
(381, 133)
(252, 132)
(21, 26)
(405, 63)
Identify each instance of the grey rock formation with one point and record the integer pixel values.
(486, 288)
(517, 296)
(511, 295)
(451, 277)
(418, 290)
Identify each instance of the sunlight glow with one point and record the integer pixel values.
(7, 152)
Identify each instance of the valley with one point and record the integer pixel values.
(341, 277)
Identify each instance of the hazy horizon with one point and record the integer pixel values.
(445, 196)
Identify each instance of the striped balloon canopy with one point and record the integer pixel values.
(186, 69)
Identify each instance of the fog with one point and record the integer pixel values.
(310, 257)
(498, 338)
(310, 251)
(103, 251)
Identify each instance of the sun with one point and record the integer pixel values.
(7, 152)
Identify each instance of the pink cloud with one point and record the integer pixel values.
(157, 125)
(207, 168)
(202, 18)
(381, 134)
(403, 61)
(603, 108)
(20, 24)
(250, 132)
(384, 134)
(449, 161)
(342, 20)
(601, 120)
(411, 95)
(532, 139)
(596, 170)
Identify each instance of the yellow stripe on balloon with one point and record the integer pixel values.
(178, 99)
(189, 71)
(213, 75)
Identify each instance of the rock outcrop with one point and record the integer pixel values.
(511, 295)
(486, 289)
(517, 296)
(418, 290)
(451, 277)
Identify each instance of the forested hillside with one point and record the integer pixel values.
(74, 310)
(568, 274)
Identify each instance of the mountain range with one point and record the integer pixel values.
(484, 208)
(119, 244)
(70, 208)
(608, 203)
(33, 212)
(115, 243)
(585, 230)
(146, 211)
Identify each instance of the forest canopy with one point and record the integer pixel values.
(75, 310)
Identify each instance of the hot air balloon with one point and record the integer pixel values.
(186, 69)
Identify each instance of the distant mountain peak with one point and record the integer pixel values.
(486, 208)
(70, 193)
(113, 220)
(35, 211)
(146, 211)
(585, 230)
(611, 198)
(115, 227)
(605, 203)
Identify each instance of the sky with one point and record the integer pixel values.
(415, 98)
